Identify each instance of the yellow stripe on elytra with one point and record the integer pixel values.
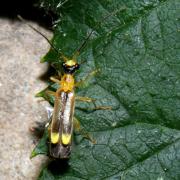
(66, 138)
(54, 138)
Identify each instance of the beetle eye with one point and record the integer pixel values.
(77, 66)
(64, 64)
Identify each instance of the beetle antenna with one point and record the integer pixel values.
(43, 35)
(83, 45)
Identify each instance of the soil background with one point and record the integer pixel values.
(20, 79)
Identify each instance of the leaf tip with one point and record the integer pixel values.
(42, 60)
(39, 94)
(33, 154)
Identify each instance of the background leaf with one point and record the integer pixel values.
(137, 53)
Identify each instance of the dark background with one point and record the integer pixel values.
(28, 9)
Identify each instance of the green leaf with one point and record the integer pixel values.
(137, 52)
(42, 146)
(47, 93)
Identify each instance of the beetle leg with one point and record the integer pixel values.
(80, 130)
(52, 93)
(55, 80)
(91, 100)
(84, 81)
